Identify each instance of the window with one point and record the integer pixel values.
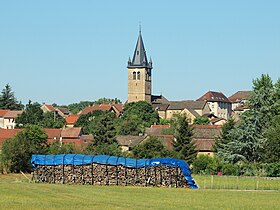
(134, 75)
(138, 75)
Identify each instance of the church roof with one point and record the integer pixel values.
(139, 58)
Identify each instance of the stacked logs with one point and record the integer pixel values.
(98, 174)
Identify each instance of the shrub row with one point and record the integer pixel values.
(213, 165)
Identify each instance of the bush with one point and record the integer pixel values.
(231, 169)
(205, 164)
(273, 169)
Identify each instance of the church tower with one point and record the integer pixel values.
(139, 74)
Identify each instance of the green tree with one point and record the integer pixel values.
(88, 121)
(104, 136)
(76, 107)
(8, 99)
(248, 137)
(136, 115)
(16, 152)
(33, 114)
(58, 148)
(183, 144)
(272, 146)
(51, 120)
(225, 136)
(108, 101)
(201, 121)
(152, 148)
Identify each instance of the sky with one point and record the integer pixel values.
(68, 51)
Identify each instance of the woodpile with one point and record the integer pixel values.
(99, 174)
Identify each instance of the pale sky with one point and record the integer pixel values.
(67, 51)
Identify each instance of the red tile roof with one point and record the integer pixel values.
(75, 132)
(53, 133)
(50, 108)
(70, 120)
(214, 97)
(102, 107)
(239, 95)
(3, 112)
(7, 134)
(13, 114)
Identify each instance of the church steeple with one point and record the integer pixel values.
(139, 58)
(139, 74)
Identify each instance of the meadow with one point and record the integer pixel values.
(17, 193)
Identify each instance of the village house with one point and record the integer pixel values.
(8, 118)
(240, 99)
(219, 104)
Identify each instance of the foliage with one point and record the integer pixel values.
(152, 148)
(104, 136)
(136, 116)
(88, 121)
(225, 136)
(58, 148)
(50, 120)
(16, 152)
(272, 145)
(164, 121)
(183, 144)
(201, 121)
(33, 115)
(205, 164)
(247, 139)
(76, 107)
(108, 101)
(8, 99)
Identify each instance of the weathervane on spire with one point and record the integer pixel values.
(139, 27)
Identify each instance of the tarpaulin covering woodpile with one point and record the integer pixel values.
(111, 170)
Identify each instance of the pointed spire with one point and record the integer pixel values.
(139, 58)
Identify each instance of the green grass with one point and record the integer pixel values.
(17, 193)
(240, 183)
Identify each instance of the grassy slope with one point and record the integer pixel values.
(16, 193)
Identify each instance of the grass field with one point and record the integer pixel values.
(237, 183)
(17, 193)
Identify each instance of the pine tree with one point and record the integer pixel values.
(8, 100)
(183, 144)
(104, 136)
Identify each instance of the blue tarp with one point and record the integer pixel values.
(80, 159)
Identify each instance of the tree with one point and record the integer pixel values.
(136, 115)
(33, 114)
(248, 138)
(201, 121)
(183, 144)
(8, 99)
(50, 120)
(88, 121)
(58, 148)
(104, 136)
(152, 148)
(225, 136)
(16, 152)
(272, 146)
(108, 101)
(76, 107)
